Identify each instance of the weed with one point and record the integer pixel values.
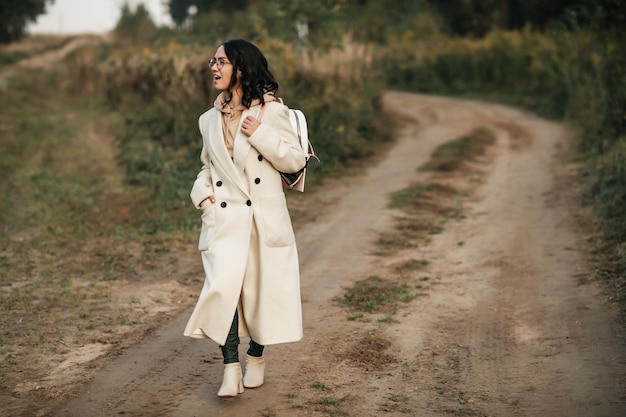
(329, 401)
(452, 155)
(388, 319)
(410, 265)
(463, 397)
(375, 294)
(435, 230)
(318, 385)
(354, 317)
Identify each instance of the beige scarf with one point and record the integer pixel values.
(231, 116)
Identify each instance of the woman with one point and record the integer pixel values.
(247, 243)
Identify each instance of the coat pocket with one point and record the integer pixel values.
(208, 226)
(276, 221)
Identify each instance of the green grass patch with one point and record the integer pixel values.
(427, 206)
(329, 401)
(318, 385)
(375, 294)
(452, 155)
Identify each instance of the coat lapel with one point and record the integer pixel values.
(218, 148)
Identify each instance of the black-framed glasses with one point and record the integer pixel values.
(220, 63)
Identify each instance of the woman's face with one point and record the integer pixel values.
(222, 70)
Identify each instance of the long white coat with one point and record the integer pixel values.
(247, 233)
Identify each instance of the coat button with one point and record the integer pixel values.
(219, 183)
(260, 158)
(249, 203)
(223, 204)
(257, 180)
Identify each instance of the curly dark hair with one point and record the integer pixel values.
(256, 78)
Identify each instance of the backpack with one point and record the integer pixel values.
(295, 181)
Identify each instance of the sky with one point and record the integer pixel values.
(91, 16)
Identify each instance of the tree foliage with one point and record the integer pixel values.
(135, 24)
(180, 9)
(478, 17)
(322, 23)
(16, 14)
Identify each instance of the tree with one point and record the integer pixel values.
(179, 9)
(16, 14)
(477, 17)
(135, 25)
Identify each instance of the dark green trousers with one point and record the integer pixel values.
(230, 350)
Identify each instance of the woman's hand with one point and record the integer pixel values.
(249, 125)
(211, 198)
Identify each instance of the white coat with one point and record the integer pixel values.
(247, 241)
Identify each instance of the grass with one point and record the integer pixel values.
(453, 155)
(375, 294)
(427, 206)
(329, 401)
(318, 385)
(68, 229)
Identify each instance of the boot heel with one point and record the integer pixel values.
(232, 384)
(255, 372)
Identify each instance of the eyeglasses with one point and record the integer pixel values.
(220, 63)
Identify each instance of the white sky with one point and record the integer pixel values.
(91, 16)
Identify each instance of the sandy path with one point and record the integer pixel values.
(508, 331)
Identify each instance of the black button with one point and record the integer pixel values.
(223, 204)
(260, 158)
(219, 183)
(257, 180)
(249, 203)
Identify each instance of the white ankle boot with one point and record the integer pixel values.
(232, 383)
(255, 372)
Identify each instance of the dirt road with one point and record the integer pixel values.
(511, 328)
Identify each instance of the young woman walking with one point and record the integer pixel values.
(247, 243)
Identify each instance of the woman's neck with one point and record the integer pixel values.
(235, 98)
